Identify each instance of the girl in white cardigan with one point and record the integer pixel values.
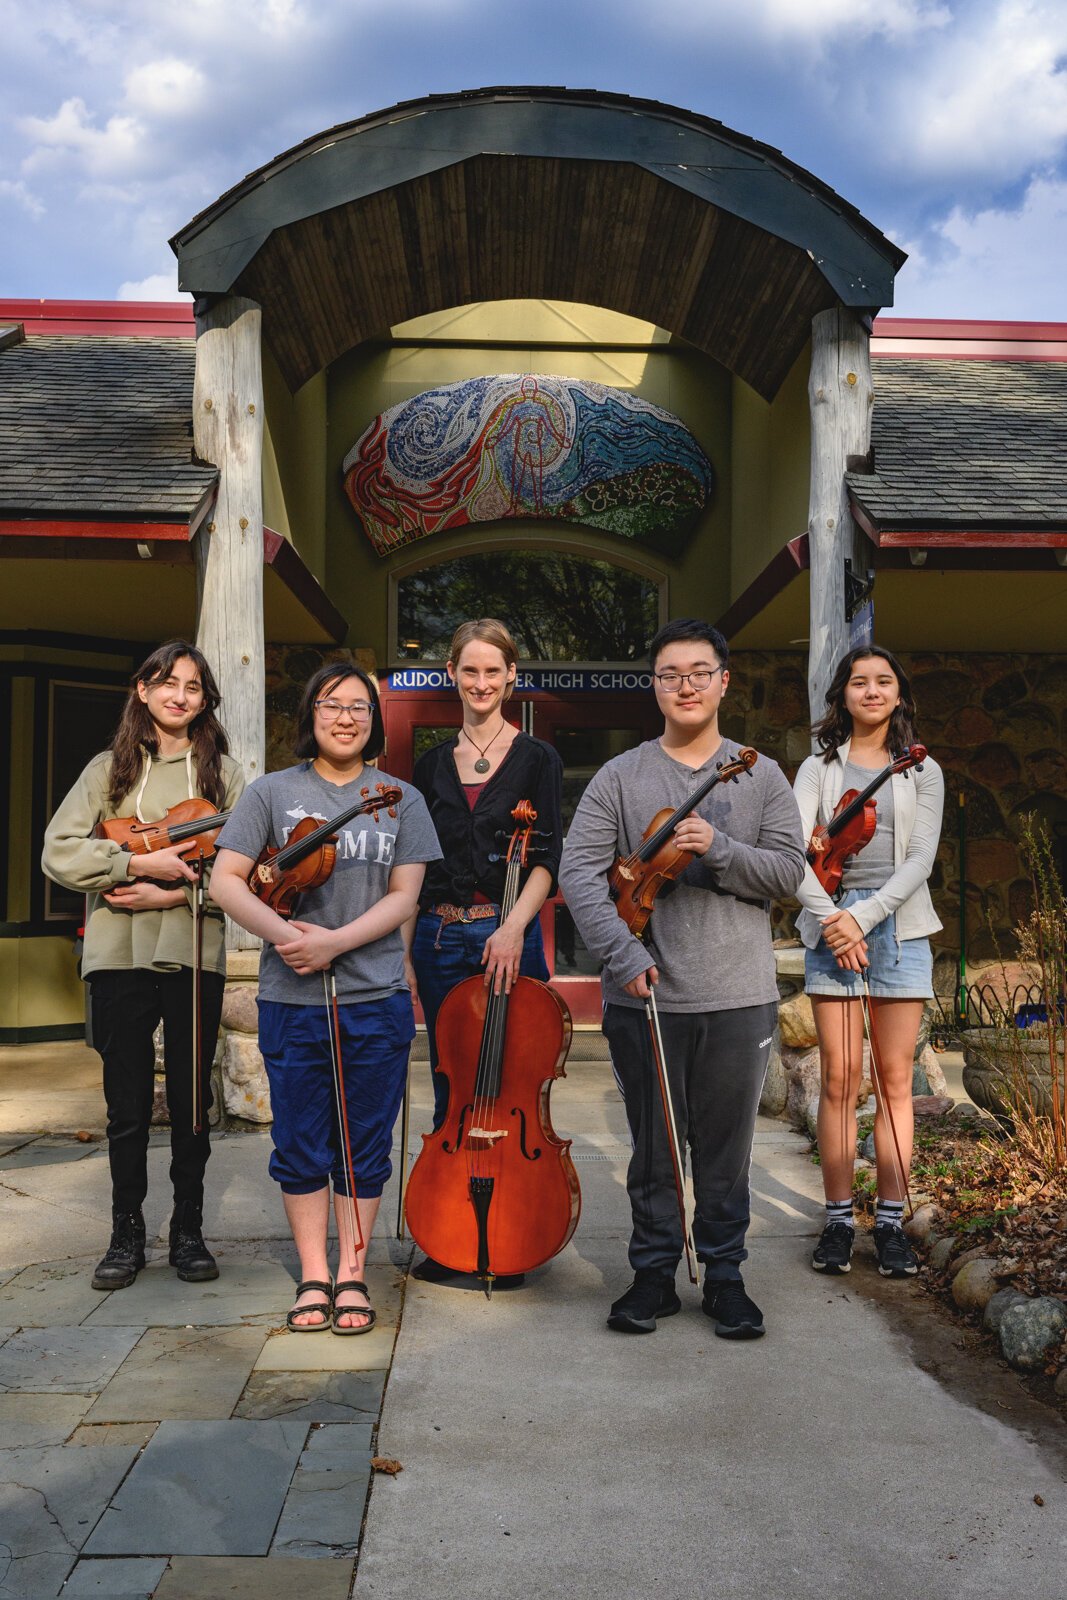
(878, 927)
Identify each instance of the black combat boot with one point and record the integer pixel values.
(188, 1252)
(125, 1254)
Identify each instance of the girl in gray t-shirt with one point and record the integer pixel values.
(344, 945)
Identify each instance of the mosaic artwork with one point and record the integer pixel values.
(516, 445)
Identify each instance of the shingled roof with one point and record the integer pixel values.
(973, 445)
(99, 428)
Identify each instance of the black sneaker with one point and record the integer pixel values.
(651, 1295)
(833, 1253)
(896, 1258)
(188, 1252)
(735, 1316)
(125, 1254)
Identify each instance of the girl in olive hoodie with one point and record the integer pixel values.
(139, 943)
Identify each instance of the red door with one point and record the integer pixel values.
(587, 730)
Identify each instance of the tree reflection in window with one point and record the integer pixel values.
(559, 607)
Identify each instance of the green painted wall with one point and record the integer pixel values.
(294, 463)
(770, 454)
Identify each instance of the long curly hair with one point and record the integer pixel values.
(136, 732)
(836, 725)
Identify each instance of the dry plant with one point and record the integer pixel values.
(1028, 1054)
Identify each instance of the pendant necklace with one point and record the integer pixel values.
(482, 764)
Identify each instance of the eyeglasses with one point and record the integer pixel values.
(671, 682)
(330, 710)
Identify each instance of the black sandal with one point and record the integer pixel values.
(324, 1307)
(352, 1311)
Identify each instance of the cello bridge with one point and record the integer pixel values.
(486, 1136)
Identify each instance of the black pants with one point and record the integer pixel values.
(716, 1064)
(127, 1007)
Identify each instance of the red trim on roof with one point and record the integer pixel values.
(146, 318)
(69, 528)
(955, 538)
(966, 328)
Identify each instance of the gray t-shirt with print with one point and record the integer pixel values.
(367, 851)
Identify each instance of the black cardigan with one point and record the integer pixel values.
(531, 770)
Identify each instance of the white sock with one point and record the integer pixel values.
(889, 1213)
(840, 1211)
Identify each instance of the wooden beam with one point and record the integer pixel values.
(228, 431)
(840, 395)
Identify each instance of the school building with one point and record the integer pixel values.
(576, 360)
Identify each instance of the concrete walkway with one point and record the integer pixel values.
(170, 1440)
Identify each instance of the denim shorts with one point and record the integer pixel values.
(901, 970)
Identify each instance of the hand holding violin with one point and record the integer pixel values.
(144, 897)
(694, 833)
(169, 865)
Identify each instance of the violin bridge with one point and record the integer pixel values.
(264, 873)
(624, 872)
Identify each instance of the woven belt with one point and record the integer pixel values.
(450, 914)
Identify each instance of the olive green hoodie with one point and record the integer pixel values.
(73, 856)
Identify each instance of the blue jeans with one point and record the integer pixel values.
(442, 958)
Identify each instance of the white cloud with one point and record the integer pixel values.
(16, 190)
(157, 286)
(994, 100)
(812, 21)
(115, 150)
(165, 88)
(995, 264)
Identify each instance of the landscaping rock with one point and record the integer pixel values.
(931, 1105)
(941, 1253)
(796, 1021)
(811, 1118)
(1002, 1301)
(867, 1149)
(920, 1227)
(1060, 1385)
(244, 1078)
(1030, 1331)
(802, 1076)
(239, 1010)
(975, 1284)
(976, 1253)
(927, 1061)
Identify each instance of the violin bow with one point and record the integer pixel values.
(405, 1121)
(198, 967)
(329, 984)
(883, 1098)
(659, 1058)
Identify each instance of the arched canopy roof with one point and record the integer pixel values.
(538, 193)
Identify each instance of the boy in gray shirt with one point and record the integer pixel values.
(708, 953)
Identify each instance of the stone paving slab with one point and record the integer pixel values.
(49, 1501)
(244, 1290)
(313, 1396)
(105, 1434)
(251, 1578)
(202, 1488)
(36, 1225)
(135, 1577)
(28, 1420)
(180, 1374)
(323, 1510)
(48, 1152)
(64, 1360)
(50, 1294)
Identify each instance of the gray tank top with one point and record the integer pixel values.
(874, 863)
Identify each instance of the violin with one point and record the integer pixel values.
(307, 858)
(494, 1190)
(192, 823)
(853, 823)
(635, 880)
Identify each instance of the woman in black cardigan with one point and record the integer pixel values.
(470, 784)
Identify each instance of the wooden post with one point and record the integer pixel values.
(228, 431)
(840, 394)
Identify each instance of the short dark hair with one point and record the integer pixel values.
(689, 628)
(327, 678)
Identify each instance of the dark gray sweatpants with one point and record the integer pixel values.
(716, 1064)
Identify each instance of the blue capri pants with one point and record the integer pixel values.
(900, 969)
(376, 1040)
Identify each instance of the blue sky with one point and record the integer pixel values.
(944, 121)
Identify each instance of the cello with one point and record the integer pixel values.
(494, 1191)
